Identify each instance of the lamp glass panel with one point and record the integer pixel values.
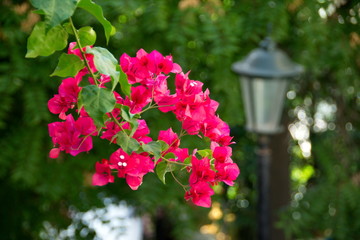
(247, 92)
(264, 100)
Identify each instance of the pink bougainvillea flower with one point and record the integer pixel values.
(162, 96)
(227, 173)
(66, 99)
(145, 66)
(197, 107)
(70, 137)
(131, 167)
(215, 129)
(85, 126)
(125, 62)
(54, 153)
(141, 55)
(157, 63)
(138, 67)
(181, 154)
(186, 107)
(69, 87)
(60, 105)
(166, 65)
(190, 126)
(185, 86)
(102, 175)
(140, 97)
(200, 194)
(159, 86)
(111, 130)
(140, 134)
(152, 61)
(166, 103)
(222, 154)
(201, 171)
(142, 131)
(170, 138)
(225, 140)
(83, 113)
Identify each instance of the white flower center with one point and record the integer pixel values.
(122, 164)
(122, 157)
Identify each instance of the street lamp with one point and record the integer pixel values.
(264, 76)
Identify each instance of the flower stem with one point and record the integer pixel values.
(150, 106)
(117, 122)
(173, 162)
(177, 180)
(82, 51)
(83, 140)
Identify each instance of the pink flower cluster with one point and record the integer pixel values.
(148, 74)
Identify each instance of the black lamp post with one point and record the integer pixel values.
(264, 76)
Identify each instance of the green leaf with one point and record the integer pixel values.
(154, 148)
(79, 103)
(97, 12)
(124, 83)
(164, 167)
(68, 28)
(55, 11)
(87, 36)
(134, 126)
(126, 114)
(41, 43)
(105, 62)
(161, 170)
(69, 65)
(205, 153)
(164, 145)
(171, 167)
(39, 11)
(130, 118)
(97, 101)
(170, 155)
(128, 144)
(188, 160)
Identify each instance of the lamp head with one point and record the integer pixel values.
(264, 76)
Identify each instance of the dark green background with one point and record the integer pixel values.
(206, 39)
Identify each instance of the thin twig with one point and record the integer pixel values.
(177, 180)
(178, 163)
(84, 140)
(82, 51)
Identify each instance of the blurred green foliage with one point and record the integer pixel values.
(205, 37)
